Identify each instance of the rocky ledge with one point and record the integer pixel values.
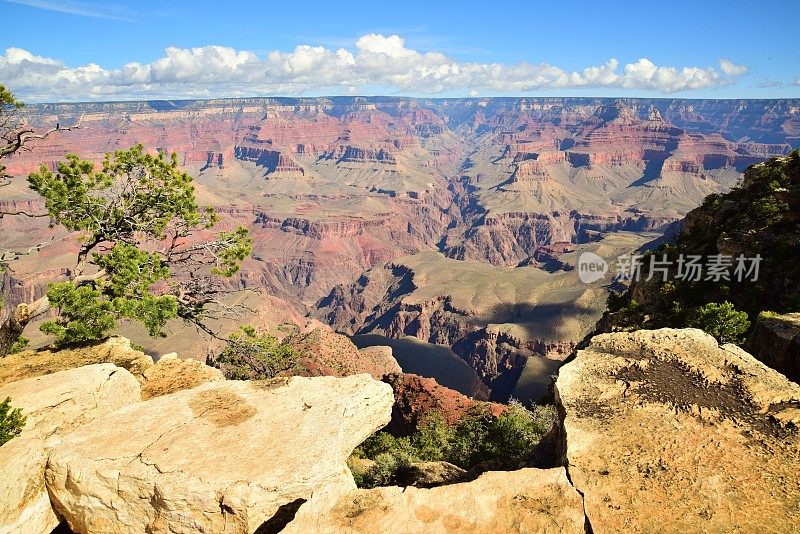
(661, 431)
(528, 500)
(666, 431)
(53, 404)
(132, 446)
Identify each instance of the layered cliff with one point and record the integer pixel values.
(331, 188)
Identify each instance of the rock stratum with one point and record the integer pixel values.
(335, 190)
(660, 430)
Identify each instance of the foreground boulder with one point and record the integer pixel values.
(223, 457)
(528, 500)
(668, 432)
(53, 404)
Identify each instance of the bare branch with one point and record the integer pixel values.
(11, 255)
(203, 328)
(21, 212)
(16, 139)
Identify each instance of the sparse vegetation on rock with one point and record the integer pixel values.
(757, 219)
(721, 320)
(479, 437)
(254, 355)
(11, 421)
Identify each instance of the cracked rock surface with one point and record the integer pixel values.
(224, 457)
(53, 404)
(666, 431)
(527, 500)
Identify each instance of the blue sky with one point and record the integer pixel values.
(65, 50)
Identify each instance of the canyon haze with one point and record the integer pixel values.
(455, 221)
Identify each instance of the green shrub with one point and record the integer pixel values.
(478, 437)
(721, 320)
(387, 465)
(11, 421)
(516, 432)
(766, 314)
(768, 208)
(433, 437)
(253, 355)
(19, 345)
(390, 455)
(466, 448)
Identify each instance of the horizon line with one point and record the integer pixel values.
(404, 97)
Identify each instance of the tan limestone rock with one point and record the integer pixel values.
(666, 431)
(222, 457)
(53, 404)
(171, 374)
(116, 350)
(528, 500)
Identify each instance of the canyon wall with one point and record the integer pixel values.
(332, 188)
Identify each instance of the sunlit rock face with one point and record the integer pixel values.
(666, 430)
(221, 457)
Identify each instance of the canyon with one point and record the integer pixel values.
(456, 221)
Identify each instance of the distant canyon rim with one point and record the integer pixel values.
(455, 221)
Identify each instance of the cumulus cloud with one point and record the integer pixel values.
(732, 69)
(374, 63)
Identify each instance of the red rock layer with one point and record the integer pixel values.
(415, 397)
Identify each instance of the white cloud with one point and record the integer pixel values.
(732, 69)
(375, 63)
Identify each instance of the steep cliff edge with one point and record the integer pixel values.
(752, 235)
